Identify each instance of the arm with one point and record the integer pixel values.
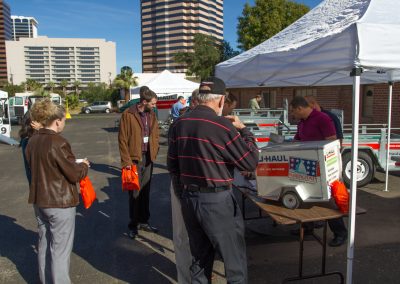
(241, 150)
(65, 160)
(123, 138)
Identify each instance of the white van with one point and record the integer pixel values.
(21, 102)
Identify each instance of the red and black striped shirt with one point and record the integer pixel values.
(205, 148)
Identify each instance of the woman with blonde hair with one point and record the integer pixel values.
(53, 190)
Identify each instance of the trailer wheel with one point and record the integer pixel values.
(365, 169)
(290, 200)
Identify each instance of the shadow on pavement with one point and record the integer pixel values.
(101, 240)
(104, 168)
(18, 245)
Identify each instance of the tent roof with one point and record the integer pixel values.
(168, 83)
(323, 46)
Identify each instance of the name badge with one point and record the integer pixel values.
(146, 139)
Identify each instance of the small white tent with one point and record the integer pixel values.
(339, 42)
(168, 84)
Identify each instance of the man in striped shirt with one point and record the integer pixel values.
(204, 149)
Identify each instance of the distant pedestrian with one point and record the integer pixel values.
(254, 103)
(53, 191)
(176, 107)
(230, 104)
(138, 140)
(204, 148)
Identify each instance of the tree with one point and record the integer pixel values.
(205, 56)
(51, 85)
(64, 84)
(32, 85)
(77, 84)
(11, 89)
(125, 80)
(227, 51)
(98, 92)
(265, 19)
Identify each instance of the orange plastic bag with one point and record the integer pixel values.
(340, 195)
(87, 192)
(130, 179)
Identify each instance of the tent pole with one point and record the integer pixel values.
(355, 73)
(388, 134)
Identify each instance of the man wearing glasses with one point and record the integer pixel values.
(204, 148)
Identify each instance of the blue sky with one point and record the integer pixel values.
(113, 20)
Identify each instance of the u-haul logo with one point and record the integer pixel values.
(273, 158)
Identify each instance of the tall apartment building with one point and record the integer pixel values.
(5, 34)
(24, 27)
(168, 26)
(56, 59)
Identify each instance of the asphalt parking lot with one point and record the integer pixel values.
(104, 254)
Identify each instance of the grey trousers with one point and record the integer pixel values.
(56, 228)
(183, 257)
(214, 223)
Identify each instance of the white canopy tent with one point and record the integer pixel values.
(339, 42)
(168, 84)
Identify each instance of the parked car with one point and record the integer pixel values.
(100, 106)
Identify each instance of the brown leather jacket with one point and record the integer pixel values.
(54, 171)
(130, 136)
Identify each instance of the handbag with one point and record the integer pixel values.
(130, 179)
(340, 195)
(87, 192)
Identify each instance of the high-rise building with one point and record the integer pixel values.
(5, 34)
(24, 27)
(56, 59)
(168, 27)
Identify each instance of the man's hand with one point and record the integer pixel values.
(235, 121)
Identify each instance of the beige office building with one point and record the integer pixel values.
(168, 26)
(55, 59)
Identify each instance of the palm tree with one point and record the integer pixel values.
(77, 84)
(64, 84)
(125, 80)
(51, 85)
(32, 85)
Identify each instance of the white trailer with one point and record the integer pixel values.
(298, 172)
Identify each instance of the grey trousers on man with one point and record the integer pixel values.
(214, 223)
(56, 228)
(183, 257)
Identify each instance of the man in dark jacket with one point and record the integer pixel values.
(204, 148)
(138, 144)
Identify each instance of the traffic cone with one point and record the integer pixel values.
(67, 114)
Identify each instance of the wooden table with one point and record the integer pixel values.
(284, 216)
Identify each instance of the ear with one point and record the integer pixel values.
(221, 102)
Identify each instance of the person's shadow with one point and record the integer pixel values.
(18, 245)
(106, 169)
(101, 239)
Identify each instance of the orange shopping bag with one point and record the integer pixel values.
(341, 196)
(87, 192)
(130, 179)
